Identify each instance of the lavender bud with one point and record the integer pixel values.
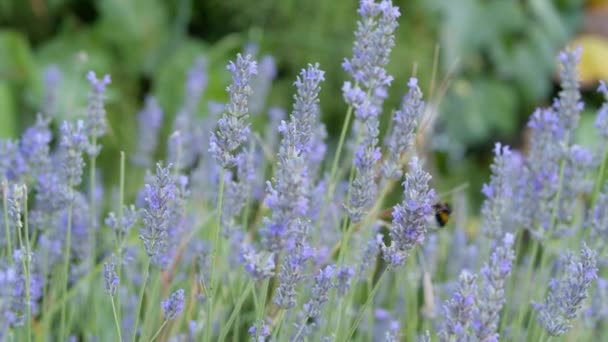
(409, 225)
(52, 79)
(110, 277)
(149, 121)
(158, 215)
(401, 136)
(174, 305)
(233, 129)
(259, 265)
(459, 309)
(73, 143)
(96, 124)
(491, 297)
(567, 294)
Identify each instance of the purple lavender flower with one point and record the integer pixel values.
(158, 215)
(305, 114)
(343, 277)
(567, 294)
(491, 296)
(459, 309)
(262, 335)
(497, 207)
(410, 217)
(174, 305)
(149, 120)
(374, 39)
(598, 216)
(401, 137)
(233, 129)
(598, 307)
(52, 79)
(313, 308)
(271, 133)
(569, 104)
(370, 252)
(13, 302)
(294, 264)
(259, 265)
(186, 123)
(289, 196)
(601, 121)
(12, 163)
(122, 227)
(261, 84)
(392, 334)
(111, 280)
(35, 147)
(542, 172)
(96, 124)
(73, 143)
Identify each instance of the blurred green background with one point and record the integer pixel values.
(496, 62)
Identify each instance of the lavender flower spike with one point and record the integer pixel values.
(566, 295)
(569, 104)
(499, 192)
(158, 214)
(459, 310)
(96, 124)
(73, 143)
(601, 121)
(410, 217)
(233, 129)
(401, 137)
(174, 305)
(492, 291)
(289, 194)
(374, 39)
(110, 277)
(149, 121)
(52, 80)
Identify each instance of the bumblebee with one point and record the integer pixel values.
(442, 213)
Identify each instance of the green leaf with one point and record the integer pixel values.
(8, 113)
(16, 62)
(75, 53)
(139, 29)
(479, 110)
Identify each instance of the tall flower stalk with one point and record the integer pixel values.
(224, 144)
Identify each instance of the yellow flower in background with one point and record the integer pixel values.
(593, 66)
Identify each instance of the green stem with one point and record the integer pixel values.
(363, 310)
(66, 266)
(7, 231)
(262, 308)
(279, 324)
(235, 312)
(159, 330)
(152, 311)
(121, 204)
(92, 227)
(25, 261)
(217, 245)
(600, 177)
(141, 299)
(116, 320)
(27, 266)
(334, 169)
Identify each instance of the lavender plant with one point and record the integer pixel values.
(266, 238)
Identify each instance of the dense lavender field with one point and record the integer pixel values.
(274, 235)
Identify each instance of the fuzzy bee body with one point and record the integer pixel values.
(442, 213)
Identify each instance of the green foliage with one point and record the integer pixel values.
(505, 50)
